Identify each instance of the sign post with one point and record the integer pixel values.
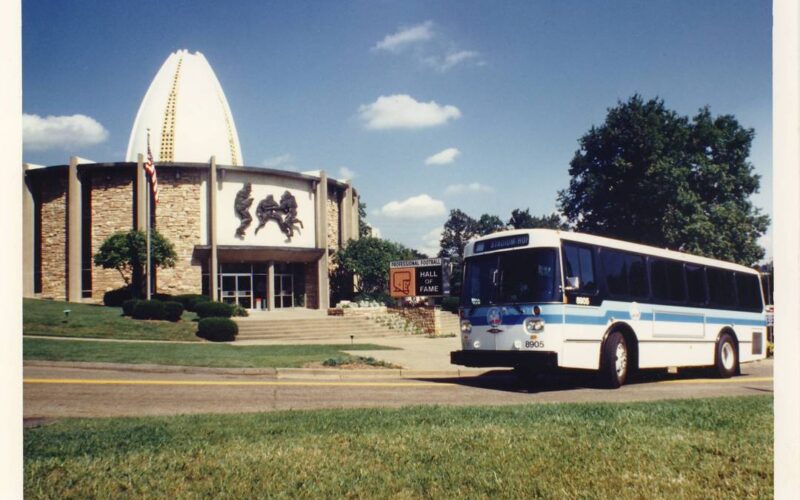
(419, 278)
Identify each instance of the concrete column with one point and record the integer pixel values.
(346, 215)
(142, 195)
(271, 285)
(322, 241)
(354, 222)
(28, 236)
(73, 232)
(213, 270)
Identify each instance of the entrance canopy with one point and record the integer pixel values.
(227, 253)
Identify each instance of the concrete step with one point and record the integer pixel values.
(319, 328)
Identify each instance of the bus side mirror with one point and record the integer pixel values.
(573, 283)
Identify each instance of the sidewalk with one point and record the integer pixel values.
(418, 352)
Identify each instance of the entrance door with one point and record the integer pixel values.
(236, 288)
(284, 290)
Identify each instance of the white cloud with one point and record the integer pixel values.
(452, 59)
(278, 161)
(61, 132)
(472, 187)
(416, 207)
(406, 36)
(431, 242)
(346, 173)
(376, 232)
(445, 157)
(403, 111)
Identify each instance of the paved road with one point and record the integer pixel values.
(54, 392)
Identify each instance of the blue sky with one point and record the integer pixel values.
(494, 95)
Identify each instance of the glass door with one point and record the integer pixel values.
(236, 288)
(284, 290)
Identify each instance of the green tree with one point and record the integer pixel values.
(652, 176)
(522, 219)
(458, 230)
(127, 253)
(364, 229)
(489, 224)
(367, 259)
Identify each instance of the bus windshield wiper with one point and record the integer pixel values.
(517, 307)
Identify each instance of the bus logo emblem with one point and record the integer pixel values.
(493, 317)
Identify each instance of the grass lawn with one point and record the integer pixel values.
(205, 354)
(707, 448)
(46, 317)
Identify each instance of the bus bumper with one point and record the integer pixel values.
(481, 359)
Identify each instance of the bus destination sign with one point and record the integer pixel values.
(518, 240)
(420, 277)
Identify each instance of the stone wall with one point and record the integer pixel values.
(54, 235)
(178, 220)
(333, 226)
(112, 212)
(425, 318)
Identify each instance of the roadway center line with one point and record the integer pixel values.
(287, 383)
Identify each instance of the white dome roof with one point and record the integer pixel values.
(187, 114)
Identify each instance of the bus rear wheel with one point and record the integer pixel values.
(614, 363)
(726, 359)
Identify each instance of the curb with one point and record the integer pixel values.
(272, 373)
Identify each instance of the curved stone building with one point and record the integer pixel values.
(263, 238)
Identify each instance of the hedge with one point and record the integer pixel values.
(213, 310)
(217, 329)
(173, 311)
(128, 306)
(115, 298)
(148, 309)
(190, 300)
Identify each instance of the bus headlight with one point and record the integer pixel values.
(466, 326)
(534, 325)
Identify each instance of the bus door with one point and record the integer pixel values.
(580, 287)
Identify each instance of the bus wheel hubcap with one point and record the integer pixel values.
(727, 356)
(622, 359)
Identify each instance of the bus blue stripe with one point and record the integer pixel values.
(594, 319)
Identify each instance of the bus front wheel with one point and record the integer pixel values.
(726, 359)
(614, 363)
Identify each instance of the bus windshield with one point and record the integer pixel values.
(529, 275)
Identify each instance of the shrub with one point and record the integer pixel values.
(190, 300)
(382, 298)
(128, 306)
(240, 311)
(163, 297)
(148, 309)
(173, 311)
(115, 298)
(217, 329)
(213, 310)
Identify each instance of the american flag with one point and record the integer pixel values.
(150, 168)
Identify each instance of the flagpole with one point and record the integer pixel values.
(147, 226)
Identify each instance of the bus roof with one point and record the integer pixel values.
(553, 238)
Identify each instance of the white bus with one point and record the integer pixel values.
(541, 299)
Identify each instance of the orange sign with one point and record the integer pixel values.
(402, 282)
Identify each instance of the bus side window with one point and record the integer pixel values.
(749, 293)
(696, 284)
(578, 262)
